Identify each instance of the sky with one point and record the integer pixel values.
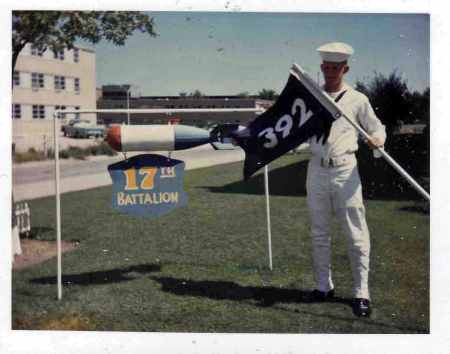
(224, 53)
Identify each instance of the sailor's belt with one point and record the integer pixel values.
(336, 161)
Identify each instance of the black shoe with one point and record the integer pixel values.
(361, 307)
(320, 296)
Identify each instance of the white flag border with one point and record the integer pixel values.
(315, 90)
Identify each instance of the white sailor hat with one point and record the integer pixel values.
(336, 52)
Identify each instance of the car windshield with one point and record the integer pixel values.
(78, 122)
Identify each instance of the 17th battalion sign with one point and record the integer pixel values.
(147, 185)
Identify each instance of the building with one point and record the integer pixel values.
(118, 97)
(45, 81)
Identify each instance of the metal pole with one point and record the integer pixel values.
(405, 174)
(58, 205)
(128, 105)
(391, 161)
(269, 234)
(164, 110)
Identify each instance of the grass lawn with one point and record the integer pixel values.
(204, 267)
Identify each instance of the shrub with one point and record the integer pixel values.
(72, 152)
(30, 155)
(101, 149)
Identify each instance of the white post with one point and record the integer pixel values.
(58, 204)
(269, 234)
(45, 145)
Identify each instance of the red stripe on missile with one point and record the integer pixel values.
(114, 138)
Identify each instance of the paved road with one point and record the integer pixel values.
(37, 172)
(37, 179)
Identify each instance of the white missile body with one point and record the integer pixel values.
(155, 137)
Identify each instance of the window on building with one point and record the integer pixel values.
(36, 52)
(60, 82)
(76, 55)
(16, 111)
(16, 78)
(60, 108)
(59, 55)
(77, 85)
(37, 80)
(38, 111)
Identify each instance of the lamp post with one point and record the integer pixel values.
(136, 94)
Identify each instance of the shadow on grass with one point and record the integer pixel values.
(102, 277)
(225, 290)
(284, 181)
(264, 296)
(422, 208)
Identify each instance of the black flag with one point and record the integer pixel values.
(296, 116)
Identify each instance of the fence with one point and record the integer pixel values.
(23, 217)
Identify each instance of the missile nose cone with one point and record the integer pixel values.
(187, 137)
(114, 138)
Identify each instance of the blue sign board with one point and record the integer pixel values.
(147, 185)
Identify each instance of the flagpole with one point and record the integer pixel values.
(269, 233)
(337, 112)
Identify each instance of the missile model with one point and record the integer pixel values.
(160, 137)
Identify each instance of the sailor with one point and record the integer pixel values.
(333, 183)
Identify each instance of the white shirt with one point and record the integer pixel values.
(343, 136)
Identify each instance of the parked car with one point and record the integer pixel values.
(70, 124)
(84, 129)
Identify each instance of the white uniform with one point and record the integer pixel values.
(333, 185)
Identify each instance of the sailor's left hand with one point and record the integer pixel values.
(374, 142)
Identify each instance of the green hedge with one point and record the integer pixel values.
(71, 152)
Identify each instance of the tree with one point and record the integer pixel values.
(266, 94)
(389, 98)
(420, 106)
(57, 30)
(244, 94)
(196, 94)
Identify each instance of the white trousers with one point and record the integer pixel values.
(338, 190)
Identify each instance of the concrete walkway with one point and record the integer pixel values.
(37, 179)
